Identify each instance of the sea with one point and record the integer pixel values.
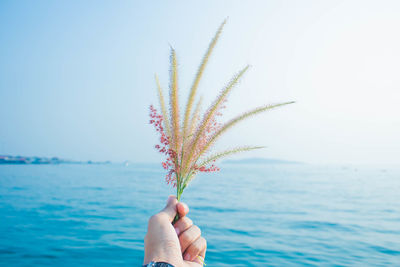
(251, 215)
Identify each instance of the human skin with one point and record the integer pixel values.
(180, 244)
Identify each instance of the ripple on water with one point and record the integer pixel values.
(387, 251)
(320, 226)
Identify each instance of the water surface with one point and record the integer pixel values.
(271, 215)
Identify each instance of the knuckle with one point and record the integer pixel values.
(188, 222)
(194, 249)
(191, 234)
(204, 242)
(197, 247)
(197, 229)
(184, 224)
(185, 236)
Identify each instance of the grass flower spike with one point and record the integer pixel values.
(187, 145)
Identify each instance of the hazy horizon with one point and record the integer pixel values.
(77, 78)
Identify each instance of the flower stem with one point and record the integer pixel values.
(179, 192)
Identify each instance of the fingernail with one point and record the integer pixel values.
(187, 257)
(177, 231)
(170, 198)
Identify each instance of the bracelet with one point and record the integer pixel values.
(158, 264)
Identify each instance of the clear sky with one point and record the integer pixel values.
(77, 77)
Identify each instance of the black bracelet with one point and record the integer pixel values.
(158, 264)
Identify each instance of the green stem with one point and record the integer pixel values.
(180, 186)
(179, 192)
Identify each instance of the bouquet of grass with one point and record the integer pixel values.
(187, 144)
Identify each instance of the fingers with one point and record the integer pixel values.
(173, 206)
(193, 245)
(182, 225)
(170, 208)
(183, 209)
(195, 249)
(189, 236)
(200, 260)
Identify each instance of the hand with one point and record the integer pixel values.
(180, 244)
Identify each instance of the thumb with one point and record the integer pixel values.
(170, 208)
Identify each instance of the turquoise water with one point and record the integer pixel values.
(276, 215)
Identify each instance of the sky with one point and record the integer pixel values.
(77, 77)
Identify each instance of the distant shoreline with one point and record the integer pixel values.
(23, 160)
(260, 161)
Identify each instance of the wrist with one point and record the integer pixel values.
(160, 256)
